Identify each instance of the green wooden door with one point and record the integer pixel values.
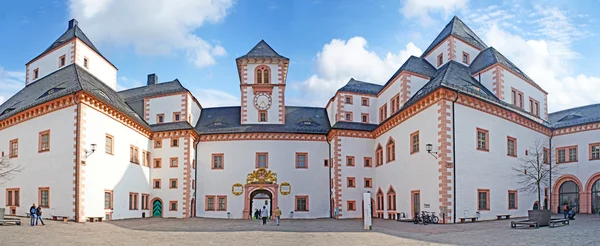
(157, 208)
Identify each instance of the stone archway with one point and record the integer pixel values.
(591, 195)
(556, 190)
(252, 189)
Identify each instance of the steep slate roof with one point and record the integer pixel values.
(416, 65)
(453, 75)
(354, 126)
(65, 81)
(262, 50)
(491, 56)
(227, 120)
(459, 29)
(361, 87)
(575, 116)
(171, 126)
(139, 93)
(70, 34)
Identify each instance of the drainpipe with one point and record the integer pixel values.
(454, 160)
(330, 162)
(196, 178)
(550, 163)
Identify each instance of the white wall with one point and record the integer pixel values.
(48, 63)
(357, 108)
(385, 97)
(52, 169)
(584, 168)
(512, 81)
(113, 172)
(442, 48)
(166, 172)
(359, 148)
(98, 66)
(491, 170)
(418, 171)
(195, 111)
(463, 47)
(487, 80)
(166, 105)
(416, 83)
(239, 161)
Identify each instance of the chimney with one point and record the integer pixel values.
(152, 79)
(72, 23)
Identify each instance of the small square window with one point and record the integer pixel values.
(174, 162)
(217, 161)
(160, 118)
(364, 101)
(176, 116)
(262, 116)
(36, 73)
(156, 184)
(172, 183)
(348, 99)
(348, 116)
(173, 206)
(62, 61)
(157, 163)
(351, 182)
(85, 62)
(175, 142)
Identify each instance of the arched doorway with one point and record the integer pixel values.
(259, 199)
(157, 207)
(569, 194)
(596, 197)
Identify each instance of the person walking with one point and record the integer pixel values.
(277, 215)
(33, 213)
(264, 214)
(38, 213)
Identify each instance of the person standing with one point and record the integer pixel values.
(264, 214)
(33, 213)
(38, 213)
(566, 210)
(277, 215)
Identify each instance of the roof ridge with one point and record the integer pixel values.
(575, 108)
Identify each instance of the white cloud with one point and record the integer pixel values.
(545, 54)
(421, 9)
(154, 27)
(10, 83)
(216, 98)
(341, 60)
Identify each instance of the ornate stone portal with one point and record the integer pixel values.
(263, 180)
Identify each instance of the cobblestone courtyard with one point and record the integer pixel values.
(583, 231)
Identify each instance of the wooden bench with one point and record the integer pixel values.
(528, 223)
(563, 222)
(506, 216)
(95, 219)
(64, 218)
(463, 220)
(10, 221)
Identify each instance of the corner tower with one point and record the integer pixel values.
(263, 74)
(73, 46)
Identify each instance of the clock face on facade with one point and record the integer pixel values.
(262, 101)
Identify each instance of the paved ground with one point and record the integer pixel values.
(583, 231)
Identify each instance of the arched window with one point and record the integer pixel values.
(569, 194)
(262, 74)
(379, 155)
(391, 196)
(391, 150)
(379, 199)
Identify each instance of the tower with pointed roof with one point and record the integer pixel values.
(263, 74)
(72, 47)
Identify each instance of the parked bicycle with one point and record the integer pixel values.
(426, 218)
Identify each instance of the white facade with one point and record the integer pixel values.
(169, 169)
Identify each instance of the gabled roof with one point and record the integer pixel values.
(456, 76)
(459, 29)
(416, 65)
(171, 126)
(575, 116)
(491, 56)
(357, 126)
(70, 34)
(361, 87)
(65, 81)
(139, 93)
(297, 120)
(262, 50)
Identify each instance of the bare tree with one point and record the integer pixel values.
(534, 169)
(7, 170)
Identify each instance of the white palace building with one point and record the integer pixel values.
(442, 135)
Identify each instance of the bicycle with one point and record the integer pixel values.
(434, 218)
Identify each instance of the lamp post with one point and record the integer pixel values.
(90, 152)
(429, 147)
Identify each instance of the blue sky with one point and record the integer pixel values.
(328, 42)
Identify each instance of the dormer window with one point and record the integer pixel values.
(217, 124)
(36, 73)
(62, 61)
(262, 74)
(307, 123)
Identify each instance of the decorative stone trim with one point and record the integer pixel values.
(187, 177)
(451, 49)
(445, 162)
(349, 133)
(404, 88)
(498, 82)
(337, 175)
(42, 109)
(262, 136)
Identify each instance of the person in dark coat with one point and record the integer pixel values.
(33, 213)
(38, 212)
